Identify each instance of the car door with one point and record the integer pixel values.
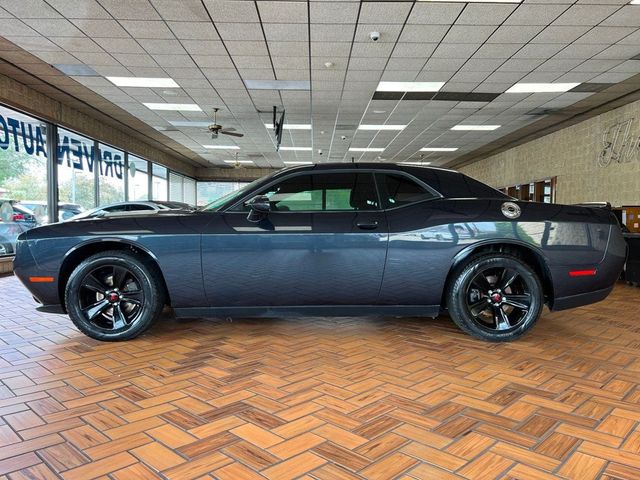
(323, 243)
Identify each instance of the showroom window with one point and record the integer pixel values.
(23, 176)
(138, 178)
(76, 164)
(210, 191)
(111, 175)
(176, 192)
(189, 191)
(159, 183)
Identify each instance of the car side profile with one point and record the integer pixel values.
(330, 239)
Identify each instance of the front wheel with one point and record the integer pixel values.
(113, 296)
(495, 297)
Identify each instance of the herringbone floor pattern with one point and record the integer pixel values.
(320, 398)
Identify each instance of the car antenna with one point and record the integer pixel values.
(353, 159)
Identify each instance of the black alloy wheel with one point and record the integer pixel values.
(495, 297)
(114, 296)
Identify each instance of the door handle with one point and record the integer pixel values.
(367, 225)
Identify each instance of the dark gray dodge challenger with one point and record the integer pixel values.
(330, 239)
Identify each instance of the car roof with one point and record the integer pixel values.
(365, 165)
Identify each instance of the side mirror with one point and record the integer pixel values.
(260, 208)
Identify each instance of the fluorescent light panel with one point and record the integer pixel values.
(476, 127)
(409, 86)
(143, 82)
(357, 149)
(298, 163)
(541, 87)
(222, 147)
(238, 161)
(179, 107)
(381, 127)
(297, 149)
(292, 126)
(439, 149)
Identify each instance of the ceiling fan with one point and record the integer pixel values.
(215, 129)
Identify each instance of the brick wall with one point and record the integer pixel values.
(571, 155)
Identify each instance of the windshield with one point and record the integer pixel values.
(235, 195)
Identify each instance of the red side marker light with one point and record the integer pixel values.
(41, 279)
(583, 273)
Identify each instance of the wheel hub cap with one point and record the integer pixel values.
(496, 298)
(113, 297)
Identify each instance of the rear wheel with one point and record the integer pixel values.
(113, 296)
(495, 297)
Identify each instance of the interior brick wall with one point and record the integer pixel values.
(571, 154)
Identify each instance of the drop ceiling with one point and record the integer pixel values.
(317, 61)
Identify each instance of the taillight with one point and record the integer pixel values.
(17, 216)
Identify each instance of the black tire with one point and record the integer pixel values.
(90, 296)
(488, 284)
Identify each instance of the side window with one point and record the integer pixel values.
(323, 192)
(398, 190)
(139, 207)
(115, 208)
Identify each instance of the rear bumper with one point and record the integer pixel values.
(581, 299)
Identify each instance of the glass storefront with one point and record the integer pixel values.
(210, 191)
(111, 175)
(89, 174)
(138, 178)
(159, 183)
(23, 176)
(76, 165)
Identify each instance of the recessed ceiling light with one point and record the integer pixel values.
(298, 163)
(357, 149)
(238, 161)
(415, 163)
(634, 2)
(541, 87)
(278, 84)
(381, 127)
(143, 82)
(292, 126)
(378, 112)
(409, 86)
(298, 149)
(439, 149)
(476, 127)
(222, 147)
(179, 107)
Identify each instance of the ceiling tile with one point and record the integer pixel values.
(54, 27)
(297, 32)
(240, 31)
(533, 14)
(333, 12)
(193, 30)
(485, 14)
(468, 34)
(147, 29)
(515, 33)
(283, 12)
(586, 14)
(332, 33)
(161, 46)
(426, 13)
(183, 10)
(232, 11)
(130, 10)
(384, 13)
(29, 9)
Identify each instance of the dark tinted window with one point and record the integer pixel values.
(321, 192)
(399, 190)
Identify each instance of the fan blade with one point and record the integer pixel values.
(230, 129)
(233, 134)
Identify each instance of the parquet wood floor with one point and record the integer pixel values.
(317, 398)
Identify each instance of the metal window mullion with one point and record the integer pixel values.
(125, 174)
(97, 164)
(52, 172)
